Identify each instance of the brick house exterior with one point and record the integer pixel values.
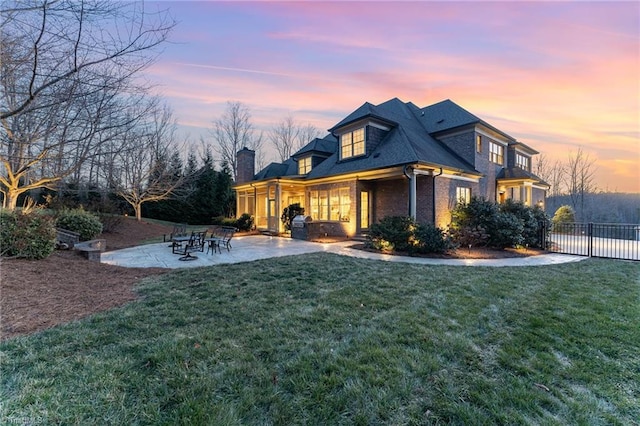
(387, 160)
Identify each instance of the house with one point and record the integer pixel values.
(391, 159)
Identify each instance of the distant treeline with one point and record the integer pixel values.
(601, 207)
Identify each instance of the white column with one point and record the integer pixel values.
(413, 189)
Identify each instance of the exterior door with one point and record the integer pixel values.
(273, 216)
(365, 210)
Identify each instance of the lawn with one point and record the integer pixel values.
(328, 340)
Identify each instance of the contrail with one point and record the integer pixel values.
(215, 67)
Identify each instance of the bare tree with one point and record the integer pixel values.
(306, 134)
(234, 131)
(54, 40)
(579, 179)
(551, 173)
(284, 137)
(287, 136)
(68, 74)
(146, 173)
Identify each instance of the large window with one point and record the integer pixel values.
(522, 161)
(352, 144)
(304, 165)
(331, 205)
(463, 195)
(496, 153)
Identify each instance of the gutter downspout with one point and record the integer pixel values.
(412, 191)
(433, 195)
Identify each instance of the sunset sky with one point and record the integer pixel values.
(557, 76)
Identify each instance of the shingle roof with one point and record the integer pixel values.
(409, 141)
(446, 115)
(327, 145)
(518, 173)
(274, 170)
(365, 110)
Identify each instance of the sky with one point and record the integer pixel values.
(557, 76)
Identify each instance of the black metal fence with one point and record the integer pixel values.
(610, 240)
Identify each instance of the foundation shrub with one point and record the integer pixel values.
(26, 235)
(244, 222)
(430, 239)
(533, 219)
(392, 233)
(401, 233)
(484, 223)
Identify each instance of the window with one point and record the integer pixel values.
(478, 143)
(352, 144)
(522, 161)
(304, 165)
(331, 205)
(463, 195)
(496, 153)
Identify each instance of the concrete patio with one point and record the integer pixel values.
(255, 247)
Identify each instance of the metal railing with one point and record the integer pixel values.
(610, 240)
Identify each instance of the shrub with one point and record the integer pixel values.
(530, 219)
(27, 235)
(289, 213)
(245, 222)
(507, 231)
(84, 223)
(563, 216)
(484, 223)
(392, 233)
(224, 221)
(469, 236)
(402, 233)
(430, 239)
(544, 228)
(472, 224)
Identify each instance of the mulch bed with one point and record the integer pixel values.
(462, 253)
(38, 294)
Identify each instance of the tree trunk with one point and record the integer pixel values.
(11, 200)
(138, 210)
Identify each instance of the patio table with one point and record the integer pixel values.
(213, 243)
(178, 242)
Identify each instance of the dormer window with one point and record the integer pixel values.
(304, 165)
(352, 144)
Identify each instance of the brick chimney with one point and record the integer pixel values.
(246, 160)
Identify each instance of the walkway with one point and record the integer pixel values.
(254, 247)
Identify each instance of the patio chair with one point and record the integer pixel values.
(179, 230)
(194, 243)
(214, 240)
(220, 237)
(228, 233)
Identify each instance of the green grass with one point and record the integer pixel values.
(328, 340)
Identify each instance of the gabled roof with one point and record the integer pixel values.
(366, 110)
(326, 146)
(407, 142)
